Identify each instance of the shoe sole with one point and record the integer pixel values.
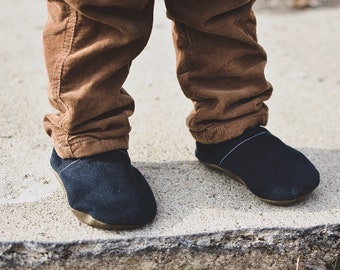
(240, 180)
(90, 220)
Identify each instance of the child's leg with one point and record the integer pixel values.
(220, 66)
(89, 46)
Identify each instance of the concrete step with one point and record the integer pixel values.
(205, 220)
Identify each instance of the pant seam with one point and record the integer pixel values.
(189, 49)
(70, 27)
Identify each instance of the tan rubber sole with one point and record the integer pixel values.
(89, 220)
(237, 178)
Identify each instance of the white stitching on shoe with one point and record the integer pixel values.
(232, 150)
(69, 165)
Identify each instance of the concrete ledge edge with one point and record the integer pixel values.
(278, 247)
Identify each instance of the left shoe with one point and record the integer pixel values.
(272, 170)
(105, 191)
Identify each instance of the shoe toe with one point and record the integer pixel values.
(291, 191)
(290, 179)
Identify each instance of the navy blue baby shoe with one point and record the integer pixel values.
(273, 171)
(105, 190)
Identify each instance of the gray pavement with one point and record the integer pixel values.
(205, 220)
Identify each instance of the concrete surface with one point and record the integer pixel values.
(205, 220)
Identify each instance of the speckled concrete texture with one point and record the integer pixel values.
(205, 220)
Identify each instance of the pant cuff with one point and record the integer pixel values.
(85, 147)
(226, 131)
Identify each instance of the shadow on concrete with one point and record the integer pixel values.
(187, 189)
(192, 199)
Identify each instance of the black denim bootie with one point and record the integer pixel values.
(272, 170)
(105, 190)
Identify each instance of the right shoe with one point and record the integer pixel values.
(273, 171)
(105, 190)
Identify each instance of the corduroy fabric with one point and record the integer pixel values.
(89, 46)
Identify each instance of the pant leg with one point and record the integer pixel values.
(220, 66)
(89, 46)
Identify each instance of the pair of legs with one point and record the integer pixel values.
(89, 47)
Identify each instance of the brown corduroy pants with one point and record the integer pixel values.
(90, 44)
